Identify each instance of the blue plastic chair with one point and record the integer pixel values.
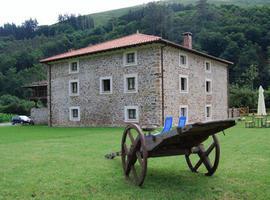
(168, 124)
(182, 121)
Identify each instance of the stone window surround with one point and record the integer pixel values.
(71, 118)
(126, 84)
(70, 87)
(70, 66)
(208, 80)
(101, 84)
(180, 64)
(186, 107)
(126, 113)
(125, 58)
(210, 117)
(180, 89)
(210, 66)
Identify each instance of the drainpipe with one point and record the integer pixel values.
(50, 96)
(162, 82)
(228, 94)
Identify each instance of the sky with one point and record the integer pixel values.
(46, 11)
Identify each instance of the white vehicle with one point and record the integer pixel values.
(21, 119)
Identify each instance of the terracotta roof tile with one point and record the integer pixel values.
(126, 41)
(129, 40)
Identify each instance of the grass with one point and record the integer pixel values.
(68, 163)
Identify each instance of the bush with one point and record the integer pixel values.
(5, 117)
(11, 104)
(267, 99)
(242, 97)
(245, 97)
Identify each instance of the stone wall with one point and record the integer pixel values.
(196, 99)
(39, 115)
(107, 109)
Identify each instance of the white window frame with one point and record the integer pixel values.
(210, 65)
(126, 76)
(126, 114)
(180, 64)
(101, 84)
(186, 107)
(180, 89)
(208, 80)
(70, 87)
(211, 111)
(125, 58)
(70, 67)
(71, 118)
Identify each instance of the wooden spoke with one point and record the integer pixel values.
(139, 157)
(130, 137)
(126, 149)
(198, 164)
(204, 157)
(136, 153)
(206, 161)
(212, 146)
(134, 174)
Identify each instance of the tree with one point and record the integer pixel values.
(202, 9)
(157, 19)
(29, 27)
(213, 42)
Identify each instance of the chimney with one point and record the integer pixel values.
(187, 42)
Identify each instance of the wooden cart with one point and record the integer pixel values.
(137, 147)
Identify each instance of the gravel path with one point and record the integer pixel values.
(6, 124)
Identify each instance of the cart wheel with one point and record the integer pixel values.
(210, 161)
(133, 149)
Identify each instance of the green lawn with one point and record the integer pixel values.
(68, 163)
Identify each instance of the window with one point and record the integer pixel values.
(74, 88)
(208, 86)
(131, 83)
(74, 113)
(208, 112)
(106, 85)
(130, 58)
(184, 111)
(183, 60)
(131, 114)
(183, 83)
(74, 67)
(207, 66)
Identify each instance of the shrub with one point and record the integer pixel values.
(243, 97)
(5, 117)
(267, 98)
(11, 104)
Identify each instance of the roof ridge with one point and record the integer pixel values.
(120, 38)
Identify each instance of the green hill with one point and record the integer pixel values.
(227, 2)
(103, 17)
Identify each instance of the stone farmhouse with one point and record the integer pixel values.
(137, 78)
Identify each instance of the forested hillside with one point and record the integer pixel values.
(239, 34)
